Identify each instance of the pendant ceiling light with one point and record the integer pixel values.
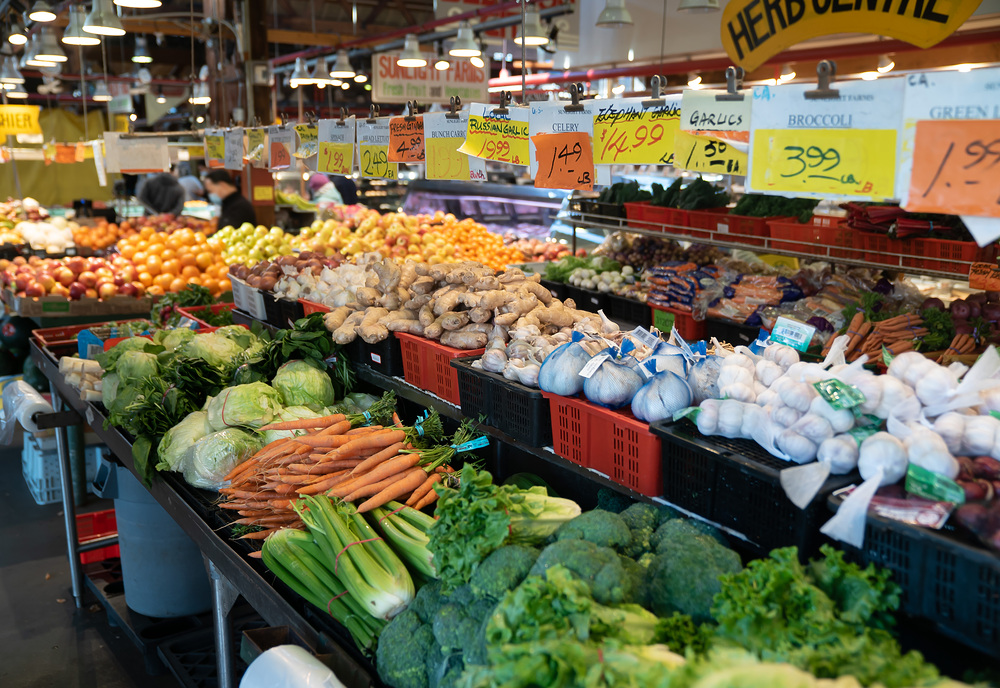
(300, 76)
(411, 55)
(139, 4)
(787, 72)
(74, 33)
(321, 73)
(101, 92)
(342, 68)
(160, 98)
(885, 64)
(41, 12)
(532, 32)
(103, 20)
(49, 49)
(441, 63)
(9, 73)
(360, 78)
(17, 35)
(17, 92)
(465, 43)
(697, 6)
(30, 56)
(199, 94)
(614, 15)
(141, 54)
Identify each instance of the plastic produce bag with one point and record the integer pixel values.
(303, 384)
(661, 396)
(180, 438)
(212, 347)
(207, 462)
(172, 339)
(252, 405)
(616, 380)
(560, 371)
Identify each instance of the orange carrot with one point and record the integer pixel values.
(305, 423)
(325, 484)
(324, 467)
(428, 499)
(426, 487)
(318, 440)
(394, 466)
(261, 534)
(363, 430)
(373, 488)
(379, 440)
(336, 429)
(411, 480)
(378, 458)
(240, 468)
(256, 555)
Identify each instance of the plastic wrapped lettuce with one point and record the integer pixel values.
(286, 414)
(133, 365)
(207, 462)
(560, 371)
(173, 339)
(252, 405)
(303, 384)
(212, 347)
(109, 389)
(180, 438)
(109, 359)
(240, 335)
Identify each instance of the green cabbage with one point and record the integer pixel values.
(211, 347)
(109, 389)
(207, 462)
(289, 413)
(109, 359)
(172, 339)
(133, 365)
(303, 384)
(180, 438)
(251, 405)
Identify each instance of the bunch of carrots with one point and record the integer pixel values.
(961, 345)
(370, 464)
(896, 334)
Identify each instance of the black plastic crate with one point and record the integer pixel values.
(945, 576)
(272, 310)
(735, 483)
(728, 331)
(558, 289)
(386, 356)
(521, 412)
(607, 213)
(291, 310)
(620, 308)
(587, 299)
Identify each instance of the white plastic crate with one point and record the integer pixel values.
(41, 470)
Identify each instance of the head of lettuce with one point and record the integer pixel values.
(252, 405)
(180, 438)
(207, 462)
(303, 383)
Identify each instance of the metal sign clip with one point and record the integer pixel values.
(453, 108)
(575, 91)
(734, 79)
(825, 72)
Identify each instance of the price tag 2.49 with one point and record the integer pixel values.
(336, 158)
(375, 163)
(565, 161)
(956, 165)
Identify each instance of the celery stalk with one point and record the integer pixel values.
(408, 539)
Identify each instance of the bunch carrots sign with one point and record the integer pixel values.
(753, 31)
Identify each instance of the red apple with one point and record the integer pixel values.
(77, 291)
(128, 273)
(87, 279)
(34, 260)
(119, 281)
(129, 289)
(76, 264)
(65, 276)
(107, 290)
(59, 290)
(20, 261)
(34, 290)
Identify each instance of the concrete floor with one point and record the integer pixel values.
(45, 641)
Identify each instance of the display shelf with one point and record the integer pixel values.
(872, 255)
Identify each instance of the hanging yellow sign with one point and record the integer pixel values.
(753, 31)
(19, 119)
(705, 153)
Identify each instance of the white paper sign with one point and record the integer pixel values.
(234, 150)
(593, 364)
(281, 147)
(700, 111)
(394, 84)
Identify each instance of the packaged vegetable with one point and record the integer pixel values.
(661, 396)
(615, 382)
(560, 371)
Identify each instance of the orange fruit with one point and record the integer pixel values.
(205, 259)
(196, 279)
(187, 259)
(146, 232)
(127, 251)
(139, 257)
(211, 284)
(142, 245)
(163, 281)
(172, 266)
(154, 265)
(190, 272)
(172, 243)
(145, 278)
(224, 285)
(178, 284)
(155, 248)
(200, 238)
(168, 254)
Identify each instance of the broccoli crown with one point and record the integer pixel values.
(681, 530)
(462, 595)
(453, 628)
(684, 576)
(603, 528)
(502, 570)
(612, 501)
(642, 520)
(641, 515)
(679, 633)
(638, 574)
(427, 600)
(599, 567)
(401, 656)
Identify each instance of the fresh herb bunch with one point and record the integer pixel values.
(763, 205)
(164, 311)
(940, 330)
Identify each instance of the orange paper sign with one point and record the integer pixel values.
(406, 139)
(280, 155)
(985, 276)
(565, 161)
(956, 164)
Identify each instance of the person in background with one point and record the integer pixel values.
(323, 190)
(192, 185)
(235, 209)
(347, 188)
(162, 193)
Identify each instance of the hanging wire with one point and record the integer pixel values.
(663, 33)
(83, 94)
(524, 71)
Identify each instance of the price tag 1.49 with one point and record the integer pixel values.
(336, 158)
(565, 161)
(792, 333)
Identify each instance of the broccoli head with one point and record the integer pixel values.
(684, 576)
(502, 570)
(401, 656)
(612, 501)
(453, 628)
(681, 530)
(603, 528)
(599, 567)
(639, 574)
(427, 600)
(642, 520)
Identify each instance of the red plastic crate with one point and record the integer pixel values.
(615, 443)
(427, 365)
(945, 255)
(688, 328)
(191, 312)
(94, 525)
(704, 224)
(310, 307)
(656, 218)
(822, 236)
(752, 231)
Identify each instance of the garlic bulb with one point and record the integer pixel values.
(841, 420)
(739, 392)
(894, 393)
(708, 417)
(730, 418)
(926, 448)
(784, 356)
(980, 436)
(768, 398)
(841, 452)
(901, 364)
(767, 372)
(869, 385)
(797, 395)
(733, 375)
(937, 384)
(950, 427)
(798, 448)
(883, 451)
(753, 418)
(814, 428)
(494, 360)
(785, 416)
(739, 361)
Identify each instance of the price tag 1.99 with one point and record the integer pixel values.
(701, 153)
(336, 158)
(628, 133)
(565, 161)
(955, 168)
(501, 137)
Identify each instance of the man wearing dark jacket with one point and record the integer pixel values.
(235, 208)
(162, 193)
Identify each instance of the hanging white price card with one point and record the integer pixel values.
(840, 148)
(497, 136)
(443, 136)
(234, 150)
(714, 134)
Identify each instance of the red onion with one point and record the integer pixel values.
(974, 309)
(993, 296)
(991, 311)
(978, 297)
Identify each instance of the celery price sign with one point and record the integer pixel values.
(839, 148)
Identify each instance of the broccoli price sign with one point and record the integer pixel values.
(406, 139)
(626, 132)
(956, 165)
(565, 161)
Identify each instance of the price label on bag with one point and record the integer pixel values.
(626, 132)
(792, 333)
(497, 136)
(593, 364)
(565, 161)
(443, 136)
(842, 148)
(406, 139)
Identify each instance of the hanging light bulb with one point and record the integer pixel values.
(442, 63)
(787, 72)
(17, 92)
(30, 57)
(335, 82)
(465, 43)
(342, 68)
(411, 55)
(41, 12)
(74, 33)
(103, 20)
(360, 78)
(141, 54)
(9, 74)
(869, 76)
(199, 94)
(698, 6)
(477, 62)
(160, 98)
(532, 32)
(885, 64)
(139, 4)
(345, 85)
(694, 80)
(300, 75)
(101, 92)
(614, 15)
(17, 35)
(48, 48)
(321, 73)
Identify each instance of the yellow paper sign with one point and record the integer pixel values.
(445, 161)
(858, 162)
(375, 163)
(707, 154)
(754, 31)
(336, 158)
(256, 146)
(121, 123)
(308, 139)
(215, 150)
(497, 138)
(630, 134)
(263, 193)
(19, 119)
